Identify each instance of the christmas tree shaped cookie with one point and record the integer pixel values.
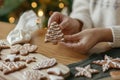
(54, 34)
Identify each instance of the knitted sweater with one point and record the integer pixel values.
(99, 14)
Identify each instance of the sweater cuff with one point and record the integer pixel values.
(84, 19)
(116, 36)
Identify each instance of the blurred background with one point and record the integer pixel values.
(10, 10)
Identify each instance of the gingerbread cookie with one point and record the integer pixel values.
(54, 71)
(30, 48)
(115, 75)
(34, 75)
(45, 64)
(108, 62)
(12, 57)
(54, 34)
(87, 71)
(4, 44)
(29, 59)
(23, 52)
(54, 77)
(23, 49)
(16, 48)
(8, 67)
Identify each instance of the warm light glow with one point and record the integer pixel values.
(61, 5)
(45, 28)
(40, 13)
(11, 19)
(34, 4)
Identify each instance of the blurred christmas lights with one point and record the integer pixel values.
(34, 4)
(11, 19)
(40, 13)
(61, 5)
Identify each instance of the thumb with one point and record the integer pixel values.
(63, 24)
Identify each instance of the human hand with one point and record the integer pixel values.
(85, 40)
(67, 24)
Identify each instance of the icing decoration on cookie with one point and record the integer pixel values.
(54, 34)
(46, 63)
(9, 67)
(54, 77)
(4, 44)
(54, 71)
(29, 59)
(34, 75)
(12, 57)
(23, 49)
(86, 71)
(16, 48)
(108, 62)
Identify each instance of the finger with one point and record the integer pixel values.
(64, 24)
(56, 16)
(70, 45)
(74, 37)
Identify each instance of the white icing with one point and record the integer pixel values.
(45, 63)
(15, 64)
(7, 66)
(11, 57)
(53, 77)
(55, 71)
(54, 33)
(107, 62)
(87, 71)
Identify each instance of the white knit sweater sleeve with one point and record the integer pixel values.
(116, 36)
(81, 12)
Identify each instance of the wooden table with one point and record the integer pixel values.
(62, 54)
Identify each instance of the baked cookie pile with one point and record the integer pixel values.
(106, 64)
(54, 34)
(15, 61)
(19, 57)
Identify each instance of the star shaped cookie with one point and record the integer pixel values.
(86, 71)
(108, 63)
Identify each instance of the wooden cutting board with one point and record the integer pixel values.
(18, 75)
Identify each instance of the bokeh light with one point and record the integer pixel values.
(34, 4)
(61, 5)
(11, 19)
(40, 13)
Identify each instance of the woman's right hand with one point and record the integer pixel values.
(67, 24)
